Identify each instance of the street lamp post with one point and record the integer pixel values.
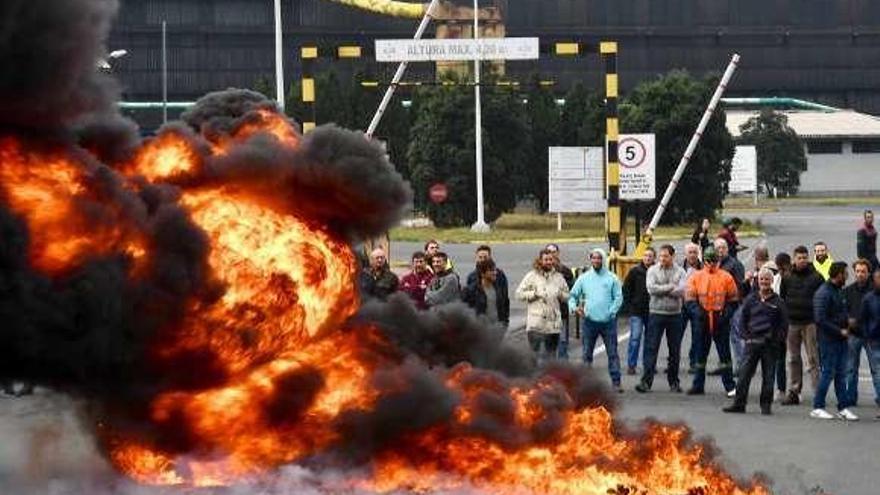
(279, 58)
(480, 225)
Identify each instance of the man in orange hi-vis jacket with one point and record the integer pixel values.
(714, 290)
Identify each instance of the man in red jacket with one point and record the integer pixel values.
(415, 283)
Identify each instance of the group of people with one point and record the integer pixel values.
(769, 315)
(433, 282)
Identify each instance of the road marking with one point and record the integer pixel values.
(601, 348)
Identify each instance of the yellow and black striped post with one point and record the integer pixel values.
(613, 218)
(308, 54)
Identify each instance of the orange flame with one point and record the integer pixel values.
(290, 373)
(52, 192)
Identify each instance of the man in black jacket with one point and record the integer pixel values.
(487, 295)
(866, 241)
(377, 280)
(635, 304)
(797, 290)
(832, 324)
(763, 324)
(854, 293)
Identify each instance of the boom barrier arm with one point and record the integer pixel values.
(686, 158)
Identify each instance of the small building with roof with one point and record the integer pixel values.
(842, 147)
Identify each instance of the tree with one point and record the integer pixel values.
(441, 150)
(352, 106)
(671, 107)
(781, 157)
(543, 120)
(583, 118)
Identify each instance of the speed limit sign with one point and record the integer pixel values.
(638, 161)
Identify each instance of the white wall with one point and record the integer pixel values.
(844, 173)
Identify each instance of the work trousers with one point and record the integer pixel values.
(802, 334)
(765, 353)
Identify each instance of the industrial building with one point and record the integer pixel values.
(818, 50)
(842, 148)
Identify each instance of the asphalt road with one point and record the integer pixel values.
(40, 439)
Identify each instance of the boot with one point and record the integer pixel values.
(734, 408)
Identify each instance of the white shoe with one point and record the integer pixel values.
(847, 415)
(821, 414)
(732, 393)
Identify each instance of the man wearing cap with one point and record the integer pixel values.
(715, 292)
(597, 297)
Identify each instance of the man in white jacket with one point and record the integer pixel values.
(543, 289)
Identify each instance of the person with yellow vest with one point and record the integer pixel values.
(822, 260)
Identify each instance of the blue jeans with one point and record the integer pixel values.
(833, 355)
(689, 315)
(721, 338)
(657, 325)
(872, 348)
(738, 346)
(592, 330)
(636, 329)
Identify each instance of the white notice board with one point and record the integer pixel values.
(577, 180)
(744, 170)
(638, 163)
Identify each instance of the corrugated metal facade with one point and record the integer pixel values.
(823, 50)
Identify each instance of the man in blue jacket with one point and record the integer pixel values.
(596, 297)
(763, 324)
(869, 326)
(832, 327)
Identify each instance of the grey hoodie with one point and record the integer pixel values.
(665, 288)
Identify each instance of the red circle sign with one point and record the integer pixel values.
(438, 193)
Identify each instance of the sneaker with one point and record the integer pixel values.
(695, 391)
(631, 371)
(734, 408)
(642, 388)
(731, 393)
(791, 399)
(847, 415)
(821, 414)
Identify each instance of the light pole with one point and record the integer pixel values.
(164, 71)
(104, 63)
(480, 225)
(279, 58)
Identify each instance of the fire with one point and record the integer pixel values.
(58, 197)
(293, 373)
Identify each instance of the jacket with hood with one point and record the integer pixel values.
(797, 290)
(636, 300)
(599, 291)
(715, 293)
(543, 292)
(666, 288)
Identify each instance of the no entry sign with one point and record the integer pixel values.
(438, 193)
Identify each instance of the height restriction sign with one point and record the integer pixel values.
(638, 161)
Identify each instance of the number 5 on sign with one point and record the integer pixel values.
(638, 160)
